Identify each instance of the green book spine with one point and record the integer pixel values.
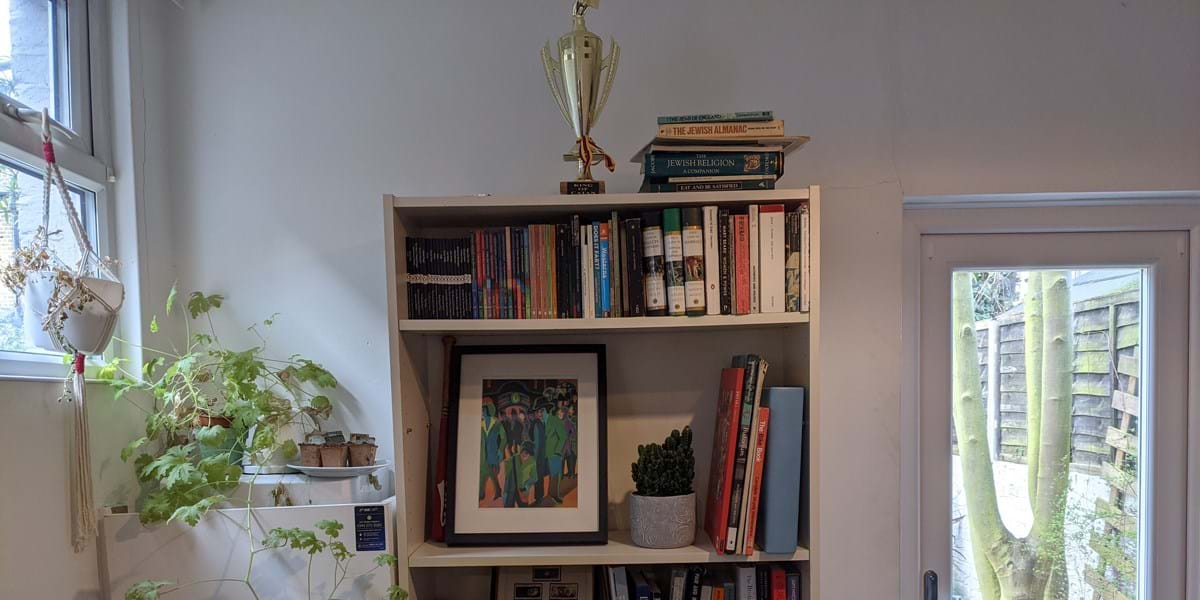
(673, 252)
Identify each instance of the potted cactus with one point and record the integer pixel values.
(662, 509)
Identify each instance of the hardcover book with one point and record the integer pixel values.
(725, 438)
(605, 275)
(724, 262)
(741, 265)
(760, 448)
(673, 254)
(635, 284)
(771, 234)
(754, 115)
(708, 186)
(670, 164)
(778, 583)
(712, 263)
(654, 264)
(746, 583)
(791, 272)
(693, 261)
(731, 129)
(778, 520)
(755, 281)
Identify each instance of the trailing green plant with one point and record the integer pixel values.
(209, 406)
(666, 469)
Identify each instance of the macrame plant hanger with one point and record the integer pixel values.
(83, 515)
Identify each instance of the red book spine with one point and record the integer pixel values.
(725, 438)
(760, 450)
(778, 583)
(552, 257)
(741, 256)
(535, 259)
(509, 295)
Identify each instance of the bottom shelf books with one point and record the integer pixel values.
(764, 581)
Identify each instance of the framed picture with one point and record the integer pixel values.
(542, 583)
(526, 449)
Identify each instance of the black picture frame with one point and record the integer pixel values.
(597, 537)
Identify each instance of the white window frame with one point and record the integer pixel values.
(85, 160)
(1034, 213)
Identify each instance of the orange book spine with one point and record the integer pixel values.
(760, 451)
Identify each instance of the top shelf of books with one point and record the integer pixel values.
(470, 211)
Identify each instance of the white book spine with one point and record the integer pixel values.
(772, 260)
(805, 260)
(746, 588)
(754, 274)
(712, 263)
(585, 271)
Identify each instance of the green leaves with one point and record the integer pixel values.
(132, 447)
(296, 539)
(385, 560)
(667, 469)
(213, 436)
(199, 304)
(192, 513)
(396, 592)
(146, 590)
(154, 324)
(171, 297)
(330, 527)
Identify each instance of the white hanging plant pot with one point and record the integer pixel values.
(83, 316)
(89, 314)
(39, 287)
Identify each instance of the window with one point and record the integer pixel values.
(44, 63)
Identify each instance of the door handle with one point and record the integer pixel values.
(931, 586)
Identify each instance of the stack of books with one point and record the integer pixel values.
(700, 582)
(746, 413)
(716, 152)
(695, 260)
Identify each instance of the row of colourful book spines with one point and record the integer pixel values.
(753, 582)
(504, 261)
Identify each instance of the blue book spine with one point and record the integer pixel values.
(694, 164)
(754, 115)
(778, 514)
(605, 280)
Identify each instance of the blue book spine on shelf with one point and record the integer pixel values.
(753, 115)
(605, 275)
(695, 164)
(779, 506)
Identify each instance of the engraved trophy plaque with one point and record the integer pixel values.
(580, 77)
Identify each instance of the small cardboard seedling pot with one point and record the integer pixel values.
(310, 455)
(333, 455)
(362, 455)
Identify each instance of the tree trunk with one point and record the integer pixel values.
(1033, 379)
(1055, 459)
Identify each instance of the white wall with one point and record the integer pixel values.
(294, 117)
(287, 121)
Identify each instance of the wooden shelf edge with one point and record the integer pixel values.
(620, 550)
(615, 325)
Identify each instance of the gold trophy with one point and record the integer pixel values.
(575, 73)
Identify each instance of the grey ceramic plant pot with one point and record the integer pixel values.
(663, 522)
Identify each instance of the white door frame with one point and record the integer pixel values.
(1029, 213)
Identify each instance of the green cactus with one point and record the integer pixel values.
(667, 469)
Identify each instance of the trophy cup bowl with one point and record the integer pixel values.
(580, 78)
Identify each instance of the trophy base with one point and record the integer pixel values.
(572, 188)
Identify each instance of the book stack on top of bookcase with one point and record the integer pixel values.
(716, 152)
(695, 260)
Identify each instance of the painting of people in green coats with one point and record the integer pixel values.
(529, 443)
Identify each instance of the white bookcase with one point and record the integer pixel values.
(663, 373)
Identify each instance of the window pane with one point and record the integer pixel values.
(33, 55)
(1045, 433)
(20, 216)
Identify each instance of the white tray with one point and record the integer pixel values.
(340, 472)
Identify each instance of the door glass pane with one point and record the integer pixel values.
(1046, 367)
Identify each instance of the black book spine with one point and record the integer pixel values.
(576, 270)
(725, 261)
(695, 575)
(560, 271)
(740, 463)
(633, 267)
(464, 269)
(419, 268)
(489, 274)
(762, 587)
(514, 257)
(439, 269)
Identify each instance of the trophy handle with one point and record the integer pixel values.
(609, 65)
(551, 67)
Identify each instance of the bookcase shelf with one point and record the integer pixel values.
(663, 374)
(620, 550)
(615, 325)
